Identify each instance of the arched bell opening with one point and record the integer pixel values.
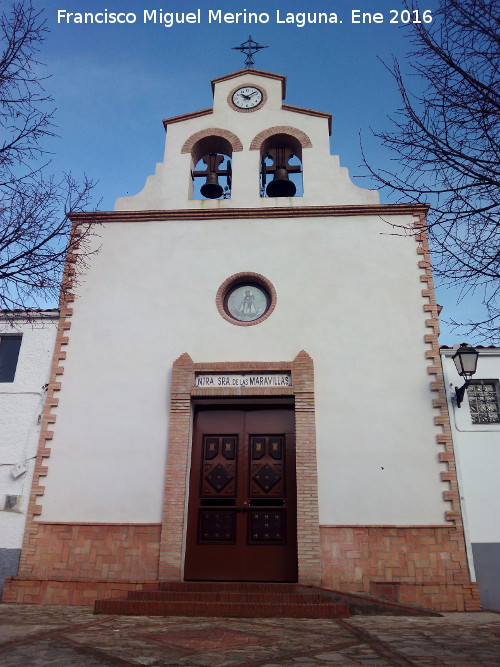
(211, 168)
(281, 167)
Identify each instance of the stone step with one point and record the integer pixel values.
(250, 599)
(225, 586)
(260, 596)
(225, 609)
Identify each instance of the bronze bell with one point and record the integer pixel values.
(281, 185)
(211, 189)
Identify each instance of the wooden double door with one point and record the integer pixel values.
(242, 519)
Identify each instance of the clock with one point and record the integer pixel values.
(247, 98)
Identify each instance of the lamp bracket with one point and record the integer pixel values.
(460, 393)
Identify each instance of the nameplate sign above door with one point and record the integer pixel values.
(216, 380)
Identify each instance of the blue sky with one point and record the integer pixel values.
(113, 84)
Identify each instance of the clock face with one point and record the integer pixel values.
(248, 97)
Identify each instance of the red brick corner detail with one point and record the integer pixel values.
(441, 420)
(66, 299)
(439, 402)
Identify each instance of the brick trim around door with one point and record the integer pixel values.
(179, 450)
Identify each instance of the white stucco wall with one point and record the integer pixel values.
(347, 292)
(21, 405)
(477, 451)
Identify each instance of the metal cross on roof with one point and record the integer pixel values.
(249, 48)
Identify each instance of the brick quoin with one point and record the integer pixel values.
(66, 297)
(458, 572)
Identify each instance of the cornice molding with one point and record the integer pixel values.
(186, 116)
(257, 72)
(99, 217)
(310, 112)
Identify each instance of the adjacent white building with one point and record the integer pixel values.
(475, 427)
(26, 346)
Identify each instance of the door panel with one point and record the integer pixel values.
(242, 508)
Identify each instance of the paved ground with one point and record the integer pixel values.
(33, 635)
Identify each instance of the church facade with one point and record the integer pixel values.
(246, 383)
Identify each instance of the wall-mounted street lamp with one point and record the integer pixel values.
(465, 359)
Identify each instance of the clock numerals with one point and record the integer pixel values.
(248, 97)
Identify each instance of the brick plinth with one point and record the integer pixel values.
(32, 590)
(421, 565)
(93, 551)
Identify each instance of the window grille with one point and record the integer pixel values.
(484, 401)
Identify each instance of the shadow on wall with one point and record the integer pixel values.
(486, 563)
(9, 565)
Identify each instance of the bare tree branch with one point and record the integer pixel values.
(35, 234)
(446, 142)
